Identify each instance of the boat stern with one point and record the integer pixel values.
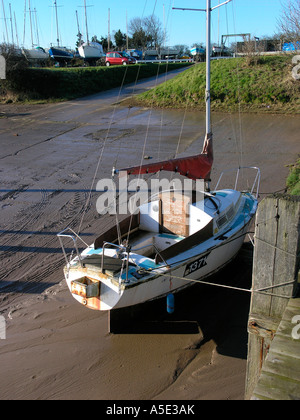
(90, 290)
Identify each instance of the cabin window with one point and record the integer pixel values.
(222, 221)
(230, 213)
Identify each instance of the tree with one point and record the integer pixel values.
(154, 31)
(146, 33)
(79, 41)
(120, 39)
(183, 49)
(104, 43)
(289, 22)
(139, 39)
(135, 25)
(138, 34)
(95, 39)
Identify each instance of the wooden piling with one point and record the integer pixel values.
(280, 375)
(275, 276)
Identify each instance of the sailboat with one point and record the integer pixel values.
(58, 53)
(90, 51)
(36, 54)
(154, 253)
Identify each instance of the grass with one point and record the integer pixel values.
(261, 85)
(293, 180)
(59, 84)
(235, 85)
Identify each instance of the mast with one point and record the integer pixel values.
(24, 33)
(199, 166)
(208, 11)
(5, 23)
(127, 39)
(208, 69)
(16, 28)
(79, 33)
(86, 23)
(36, 27)
(56, 15)
(30, 18)
(11, 24)
(108, 36)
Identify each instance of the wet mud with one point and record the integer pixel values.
(57, 349)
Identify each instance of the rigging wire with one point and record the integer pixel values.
(104, 146)
(101, 154)
(144, 148)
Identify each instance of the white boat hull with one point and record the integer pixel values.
(196, 264)
(90, 51)
(209, 262)
(35, 54)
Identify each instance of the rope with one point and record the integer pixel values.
(277, 248)
(262, 291)
(239, 289)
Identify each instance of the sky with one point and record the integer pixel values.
(257, 17)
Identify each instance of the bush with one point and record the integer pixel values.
(70, 83)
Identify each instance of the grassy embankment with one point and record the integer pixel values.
(59, 84)
(293, 181)
(265, 86)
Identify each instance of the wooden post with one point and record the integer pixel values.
(275, 274)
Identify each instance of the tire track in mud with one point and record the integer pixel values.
(19, 267)
(32, 214)
(33, 277)
(13, 245)
(17, 152)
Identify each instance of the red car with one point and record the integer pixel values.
(118, 59)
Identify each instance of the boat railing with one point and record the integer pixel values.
(254, 190)
(125, 250)
(72, 235)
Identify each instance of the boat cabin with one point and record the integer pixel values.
(172, 223)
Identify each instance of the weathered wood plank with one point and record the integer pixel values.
(275, 269)
(280, 375)
(274, 387)
(276, 253)
(287, 347)
(283, 365)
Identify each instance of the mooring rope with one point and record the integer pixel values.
(240, 289)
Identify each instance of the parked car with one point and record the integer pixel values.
(118, 59)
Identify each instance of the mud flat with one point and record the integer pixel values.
(57, 349)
